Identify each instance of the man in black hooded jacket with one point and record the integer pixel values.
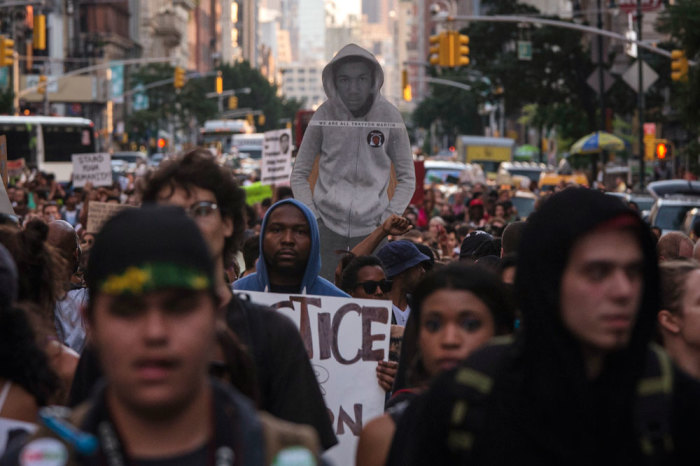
(580, 384)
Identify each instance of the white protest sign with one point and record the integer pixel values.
(277, 157)
(100, 212)
(345, 338)
(93, 168)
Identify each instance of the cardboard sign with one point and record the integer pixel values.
(345, 338)
(100, 212)
(277, 157)
(93, 168)
(16, 167)
(3, 160)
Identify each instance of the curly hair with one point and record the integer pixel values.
(198, 168)
(39, 265)
(23, 362)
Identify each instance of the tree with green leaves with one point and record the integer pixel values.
(189, 106)
(554, 79)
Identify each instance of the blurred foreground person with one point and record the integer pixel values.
(210, 196)
(153, 312)
(27, 381)
(581, 384)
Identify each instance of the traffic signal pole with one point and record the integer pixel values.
(640, 98)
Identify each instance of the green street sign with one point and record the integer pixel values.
(524, 50)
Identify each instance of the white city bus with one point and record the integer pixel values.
(48, 142)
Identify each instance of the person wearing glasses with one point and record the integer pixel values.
(210, 195)
(405, 266)
(153, 313)
(364, 278)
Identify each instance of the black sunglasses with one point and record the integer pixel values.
(370, 286)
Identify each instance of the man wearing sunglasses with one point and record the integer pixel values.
(210, 196)
(405, 266)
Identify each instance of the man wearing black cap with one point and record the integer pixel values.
(405, 266)
(152, 311)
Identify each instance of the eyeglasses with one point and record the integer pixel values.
(370, 286)
(202, 209)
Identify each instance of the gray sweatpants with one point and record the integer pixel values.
(332, 242)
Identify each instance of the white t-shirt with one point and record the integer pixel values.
(401, 316)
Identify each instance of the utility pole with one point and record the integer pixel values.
(640, 98)
(601, 92)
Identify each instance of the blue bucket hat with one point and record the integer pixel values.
(398, 256)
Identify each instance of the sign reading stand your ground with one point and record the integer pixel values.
(344, 338)
(92, 168)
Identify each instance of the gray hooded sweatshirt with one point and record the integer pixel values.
(356, 155)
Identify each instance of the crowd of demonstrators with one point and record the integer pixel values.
(580, 383)
(575, 283)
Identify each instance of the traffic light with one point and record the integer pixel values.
(459, 48)
(405, 86)
(438, 49)
(39, 32)
(7, 51)
(179, 80)
(233, 102)
(679, 66)
(41, 86)
(662, 152)
(219, 83)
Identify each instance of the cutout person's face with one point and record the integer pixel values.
(353, 81)
(284, 144)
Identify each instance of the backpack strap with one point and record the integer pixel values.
(473, 386)
(654, 400)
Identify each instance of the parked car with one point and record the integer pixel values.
(131, 159)
(531, 170)
(668, 213)
(524, 202)
(643, 201)
(692, 216)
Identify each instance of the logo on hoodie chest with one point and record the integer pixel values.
(375, 138)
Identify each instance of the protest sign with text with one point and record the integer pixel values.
(92, 168)
(100, 212)
(277, 157)
(345, 338)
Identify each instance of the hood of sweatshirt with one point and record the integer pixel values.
(328, 75)
(313, 263)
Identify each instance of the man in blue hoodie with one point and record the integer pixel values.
(359, 144)
(290, 258)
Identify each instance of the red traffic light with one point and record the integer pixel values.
(661, 151)
(161, 143)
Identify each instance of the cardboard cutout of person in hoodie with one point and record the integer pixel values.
(355, 140)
